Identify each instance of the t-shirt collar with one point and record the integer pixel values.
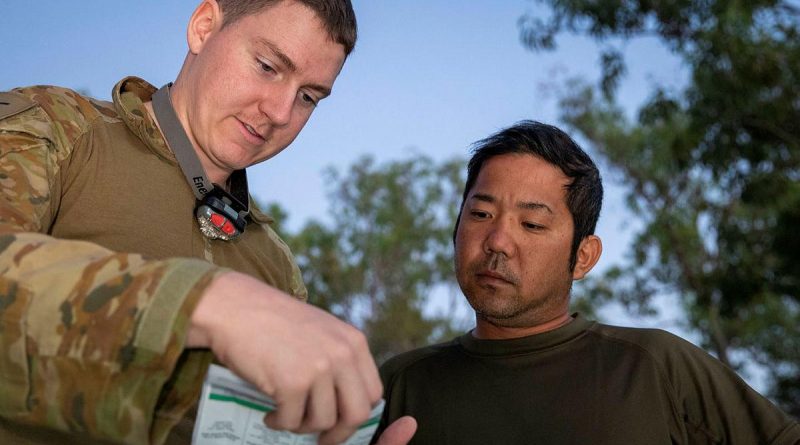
(525, 345)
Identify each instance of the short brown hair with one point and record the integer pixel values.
(337, 16)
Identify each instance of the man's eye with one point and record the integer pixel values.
(532, 226)
(479, 214)
(308, 99)
(266, 67)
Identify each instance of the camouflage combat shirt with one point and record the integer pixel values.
(102, 264)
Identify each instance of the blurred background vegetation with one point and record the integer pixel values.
(712, 170)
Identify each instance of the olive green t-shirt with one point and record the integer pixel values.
(584, 383)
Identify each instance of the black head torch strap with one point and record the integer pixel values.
(221, 214)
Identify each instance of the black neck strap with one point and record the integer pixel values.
(180, 145)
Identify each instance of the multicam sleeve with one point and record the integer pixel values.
(91, 340)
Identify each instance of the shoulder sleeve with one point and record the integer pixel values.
(90, 340)
(393, 376)
(12, 103)
(392, 410)
(294, 280)
(717, 404)
(296, 285)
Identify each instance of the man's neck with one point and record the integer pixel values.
(219, 178)
(487, 330)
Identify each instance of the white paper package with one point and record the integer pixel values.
(232, 411)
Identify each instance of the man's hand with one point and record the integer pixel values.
(316, 368)
(399, 432)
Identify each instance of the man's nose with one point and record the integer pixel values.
(500, 239)
(278, 104)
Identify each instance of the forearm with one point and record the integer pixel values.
(92, 336)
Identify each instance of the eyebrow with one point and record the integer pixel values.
(286, 60)
(278, 53)
(527, 205)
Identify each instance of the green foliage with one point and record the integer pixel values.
(389, 244)
(712, 170)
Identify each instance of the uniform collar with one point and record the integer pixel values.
(129, 96)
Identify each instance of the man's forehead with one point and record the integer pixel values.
(521, 168)
(284, 11)
(293, 35)
(527, 180)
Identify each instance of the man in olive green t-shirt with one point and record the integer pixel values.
(532, 373)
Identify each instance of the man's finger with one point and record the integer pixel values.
(369, 372)
(291, 408)
(354, 406)
(321, 411)
(399, 432)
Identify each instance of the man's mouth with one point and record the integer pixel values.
(494, 276)
(252, 131)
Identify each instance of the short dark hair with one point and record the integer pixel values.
(585, 190)
(337, 15)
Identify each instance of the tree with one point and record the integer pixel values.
(713, 170)
(388, 246)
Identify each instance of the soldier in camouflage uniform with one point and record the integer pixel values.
(112, 303)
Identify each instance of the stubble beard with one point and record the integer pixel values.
(502, 306)
(508, 310)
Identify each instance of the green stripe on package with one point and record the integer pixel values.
(232, 413)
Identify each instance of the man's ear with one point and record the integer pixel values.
(588, 253)
(206, 20)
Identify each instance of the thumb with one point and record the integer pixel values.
(399, 432)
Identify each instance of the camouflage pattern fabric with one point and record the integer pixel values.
(91, 339)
